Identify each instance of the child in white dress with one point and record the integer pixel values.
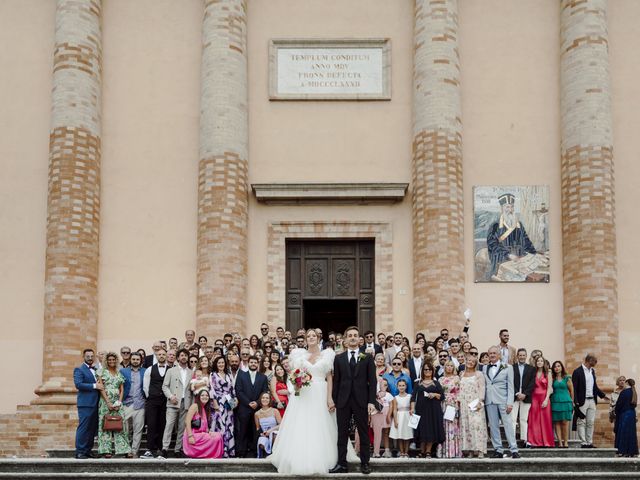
(399, 419)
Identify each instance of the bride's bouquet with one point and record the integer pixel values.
(300, 377)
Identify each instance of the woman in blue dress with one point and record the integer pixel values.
(625, 427)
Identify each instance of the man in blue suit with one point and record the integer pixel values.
(249, 386)
(89, 389)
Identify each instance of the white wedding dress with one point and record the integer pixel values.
(307, 441)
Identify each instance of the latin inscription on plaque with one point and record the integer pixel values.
(330, 70)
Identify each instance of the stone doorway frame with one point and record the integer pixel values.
(382, 234)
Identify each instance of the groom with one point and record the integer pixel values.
(354, 393)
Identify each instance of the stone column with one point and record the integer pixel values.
(588, 194)
(588, 190)
(73, 204)
(222, 188)
(437, 195)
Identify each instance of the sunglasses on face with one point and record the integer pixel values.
(193, 361)
(473, 353)
(125, 353)
(263, 329)
(396, 364)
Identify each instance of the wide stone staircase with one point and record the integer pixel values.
(535, 464)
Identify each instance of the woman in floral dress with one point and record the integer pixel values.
(224, 394)
(473, 424)
(450, 383)
(111, 404)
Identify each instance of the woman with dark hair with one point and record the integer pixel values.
(265, 367)
(223, 396)
(466, 346)
(484, 359)
(625, 427)
(426, 402)
(142, 353)
(430, 352)
(561, 403)
(419, 336)
(254, 343)
(202, 341)
(389, 342)
(438, 343)
(267, 419)
(279, 389)
(275, 358)
(198, 441)
(540, 431)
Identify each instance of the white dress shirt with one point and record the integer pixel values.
(504, 353)
(417, 363)
(588, 381)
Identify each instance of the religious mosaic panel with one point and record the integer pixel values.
(511, 233)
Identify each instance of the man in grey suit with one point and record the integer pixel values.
(179, 398)
(499, 402)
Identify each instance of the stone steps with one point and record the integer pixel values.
(114, 469)
(525, 452)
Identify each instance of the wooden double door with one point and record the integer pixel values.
(330, 284)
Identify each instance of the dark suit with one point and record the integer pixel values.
(579, 387)
(247, 393)
(415, 375)
(521, 407)
(528, 381)
(354, 387)
(584, 423)
(87, 401)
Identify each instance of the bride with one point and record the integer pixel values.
(308, 435)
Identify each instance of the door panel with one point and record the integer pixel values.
(326, 270)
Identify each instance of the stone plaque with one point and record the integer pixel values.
(345, 69)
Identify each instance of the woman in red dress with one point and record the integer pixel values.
(540, 430)
(279, 390)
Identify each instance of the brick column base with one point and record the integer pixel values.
(34, 429)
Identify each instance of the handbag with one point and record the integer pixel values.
(112, 423)
(196, 423)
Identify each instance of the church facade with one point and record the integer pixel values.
(169, 165)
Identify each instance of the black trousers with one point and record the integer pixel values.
(246, 435)
(361, 418)
(156, 417)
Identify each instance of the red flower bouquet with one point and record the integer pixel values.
(300, 377)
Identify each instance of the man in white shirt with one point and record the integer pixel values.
(156, 407)
(415, 362)
(585, 399)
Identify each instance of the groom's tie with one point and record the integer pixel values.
(352, 361)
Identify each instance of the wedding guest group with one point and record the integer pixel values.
(228, 397)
